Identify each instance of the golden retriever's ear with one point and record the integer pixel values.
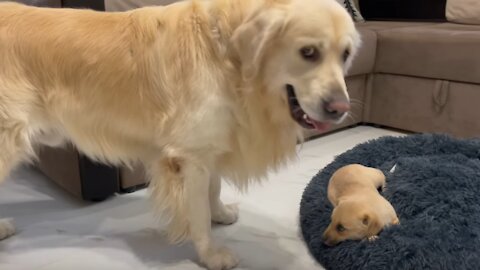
(251, 38)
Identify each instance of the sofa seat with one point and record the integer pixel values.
(442, 51)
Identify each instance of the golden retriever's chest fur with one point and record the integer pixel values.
(259, 141)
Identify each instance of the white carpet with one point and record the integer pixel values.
(56, 231)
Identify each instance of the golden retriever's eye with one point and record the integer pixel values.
(340, 228)
(310, 53)
(345, 56)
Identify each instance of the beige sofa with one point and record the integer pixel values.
(418, 77)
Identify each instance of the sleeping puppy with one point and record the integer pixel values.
(359, 210)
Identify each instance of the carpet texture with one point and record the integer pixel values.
(435, 189)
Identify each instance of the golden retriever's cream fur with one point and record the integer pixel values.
(194, 90)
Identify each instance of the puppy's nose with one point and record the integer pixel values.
(326, 240)
(336, 108)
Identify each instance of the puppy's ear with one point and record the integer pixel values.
(373, 226)
(251, 39)
(366, 220)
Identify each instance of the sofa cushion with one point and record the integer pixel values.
(364, 61)
(441, 51)
(463, 11)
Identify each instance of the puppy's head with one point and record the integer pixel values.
(301, 50)
(351, 221)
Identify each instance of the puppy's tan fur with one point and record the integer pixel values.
(359, 210)
(195, 91)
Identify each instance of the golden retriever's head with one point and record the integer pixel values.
(351, 220)
(301, 50)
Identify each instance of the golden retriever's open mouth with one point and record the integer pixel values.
(300, 116)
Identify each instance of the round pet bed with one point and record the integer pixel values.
(435, 189)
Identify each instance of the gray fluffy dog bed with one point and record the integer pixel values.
(435, 189)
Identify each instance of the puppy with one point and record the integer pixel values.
(197, 91)
(359, 210)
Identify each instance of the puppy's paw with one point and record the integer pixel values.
(396, 221)
(6, 228)
(219, 259)
(226, 215)
(372, 238)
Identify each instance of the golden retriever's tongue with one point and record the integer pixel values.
(320, 126)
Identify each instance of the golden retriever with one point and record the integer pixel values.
(359, 210)
(197, 91)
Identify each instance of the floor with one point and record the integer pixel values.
(56, 231)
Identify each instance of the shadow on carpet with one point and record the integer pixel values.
(435, 189)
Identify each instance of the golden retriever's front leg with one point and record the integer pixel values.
(181, 192)
(197, 185)
(13, 147)
(221, 213)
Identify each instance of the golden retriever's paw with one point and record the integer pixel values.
(227, 215)
(372, 238)
(6, 228)
(219, 259)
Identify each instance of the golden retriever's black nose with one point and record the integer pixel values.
(335, 109)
